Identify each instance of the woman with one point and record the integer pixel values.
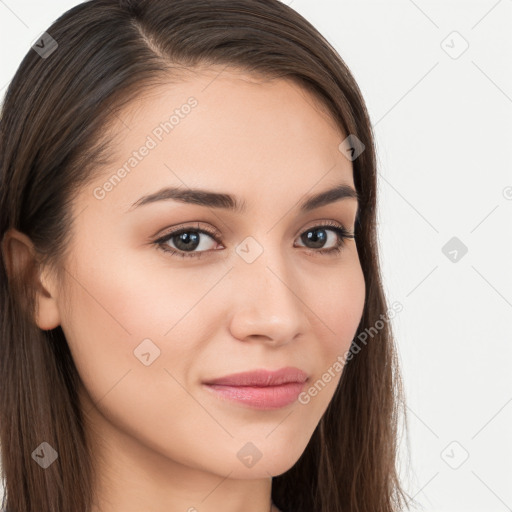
(190, 269)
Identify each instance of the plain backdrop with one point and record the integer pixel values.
(437, 80)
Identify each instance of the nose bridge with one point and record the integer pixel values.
(265, 265)
(265, 299)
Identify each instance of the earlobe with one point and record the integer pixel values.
(21, 262)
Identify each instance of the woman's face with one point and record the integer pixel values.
(147, 328)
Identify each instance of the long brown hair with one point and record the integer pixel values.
(52, 139)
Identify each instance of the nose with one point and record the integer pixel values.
(267, 301)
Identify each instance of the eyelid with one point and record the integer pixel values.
(217, 235)
(324, 223)
(185, 226)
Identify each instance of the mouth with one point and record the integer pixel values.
(260, 389)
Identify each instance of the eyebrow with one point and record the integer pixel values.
(228, 202)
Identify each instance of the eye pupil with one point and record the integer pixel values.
(312, 236)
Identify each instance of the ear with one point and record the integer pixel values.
(21, 262)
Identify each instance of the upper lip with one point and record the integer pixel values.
(262, 378)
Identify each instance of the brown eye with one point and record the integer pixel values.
(185, 242)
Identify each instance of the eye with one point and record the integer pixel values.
(193, 241)
(318, 237)
(187, 240)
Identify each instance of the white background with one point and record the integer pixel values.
(443, 125)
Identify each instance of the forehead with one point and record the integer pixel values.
(225, 129)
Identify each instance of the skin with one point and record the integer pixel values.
(162, 442)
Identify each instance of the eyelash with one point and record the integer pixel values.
(340, 230)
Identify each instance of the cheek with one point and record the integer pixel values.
(134, 297)
(109, 315)
(127, 312)
(337, 298)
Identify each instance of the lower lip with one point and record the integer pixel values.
(269, 397)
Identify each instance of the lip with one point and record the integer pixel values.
(260, 389)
